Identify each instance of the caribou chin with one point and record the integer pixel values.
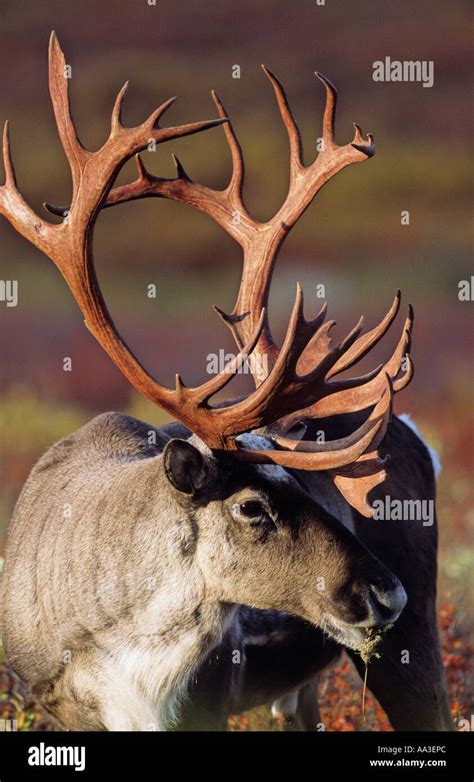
(344, 633)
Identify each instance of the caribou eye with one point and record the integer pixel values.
(252, 509)
(254, 513)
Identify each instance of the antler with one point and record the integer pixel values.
(298, 381)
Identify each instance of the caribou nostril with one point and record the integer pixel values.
(387, 604)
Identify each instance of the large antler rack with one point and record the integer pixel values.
(299, 380)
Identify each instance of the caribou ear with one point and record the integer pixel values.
(185, 466)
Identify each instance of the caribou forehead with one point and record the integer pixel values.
(272, 472)
(252, 442)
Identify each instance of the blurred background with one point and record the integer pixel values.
(351, 239)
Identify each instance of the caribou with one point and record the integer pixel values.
(223, 560)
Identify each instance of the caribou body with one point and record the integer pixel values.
(165, 578)
(149, 585)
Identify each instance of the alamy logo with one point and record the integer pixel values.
(404, 70)
(57, 756)
(9, 292)
(222, 362)
(389, 509)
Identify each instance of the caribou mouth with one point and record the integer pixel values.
(365, 640)
(344, 633)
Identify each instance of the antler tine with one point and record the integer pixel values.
(235, 186)
(334, 355)
(365, 343)
(155, 116)
(401, 382)
(177, 131)
(314, 333)
(300, 332)
(329, 116)
(116, 122)
(14, 207)
(356, 481)
(219, 382)
(10, 175)
(76, 154)
(294, 136)
(180, 171)
(359, 142)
